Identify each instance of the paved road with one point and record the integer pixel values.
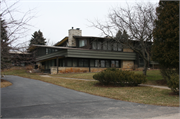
(28, 98)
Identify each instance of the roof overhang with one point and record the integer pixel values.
(62, 41)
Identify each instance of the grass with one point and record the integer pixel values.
(153, 76)
(76, 75)
(5, 83)
(145, 95)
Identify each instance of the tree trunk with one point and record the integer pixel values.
(145, 67)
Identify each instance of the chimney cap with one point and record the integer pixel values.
(72, 27)
(77, 28)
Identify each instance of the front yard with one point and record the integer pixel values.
(154, 77)
(145, 95)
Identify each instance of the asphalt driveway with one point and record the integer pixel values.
(28, 98)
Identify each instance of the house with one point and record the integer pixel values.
(77, 53)
(20, 58)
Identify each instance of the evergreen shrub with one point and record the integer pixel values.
(118, 77)
(172, 78)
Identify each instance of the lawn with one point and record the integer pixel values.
(153, 76)
(145, 95)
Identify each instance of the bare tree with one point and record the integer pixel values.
(15, 28)
(138, 21)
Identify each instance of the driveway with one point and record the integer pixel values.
(28, 98)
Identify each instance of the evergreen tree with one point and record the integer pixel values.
(122, 36)
(5, 42)
(165, 49)
(37, 38)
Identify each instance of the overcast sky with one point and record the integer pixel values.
(55, 17)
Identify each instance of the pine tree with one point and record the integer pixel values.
(5, 48)
(37, 38)
(165, 49)
(122, 36)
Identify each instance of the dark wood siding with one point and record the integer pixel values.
(101, 54)
(52, 55)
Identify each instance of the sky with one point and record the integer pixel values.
(55, 17)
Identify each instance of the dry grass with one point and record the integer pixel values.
(5, 83)
(145, 95)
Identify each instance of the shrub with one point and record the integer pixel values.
(29, 67)
(172, 78)
(119, 77)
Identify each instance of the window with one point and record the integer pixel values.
(107, 63)
(86, 63)
(49, 51)
(82, 43)
(62, 63)
(141, 62)
(102, 63)
(91, 63)
(94, 45)
(96, 63)
(69, 63)
(83, 63)
(99, 45)
(119, 47)
(109, 46)
(115, 46)
(112, 63)
(117, 63)
(80, 62)
(53, 50)
(74, 62)
(46, 51)
(105, 45)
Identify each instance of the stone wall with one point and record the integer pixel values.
(53, 70)
(127, 50)
(127, 64)
(73, 69)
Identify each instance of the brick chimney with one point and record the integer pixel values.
(73, 32)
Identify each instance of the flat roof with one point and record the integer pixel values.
(57, 47)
